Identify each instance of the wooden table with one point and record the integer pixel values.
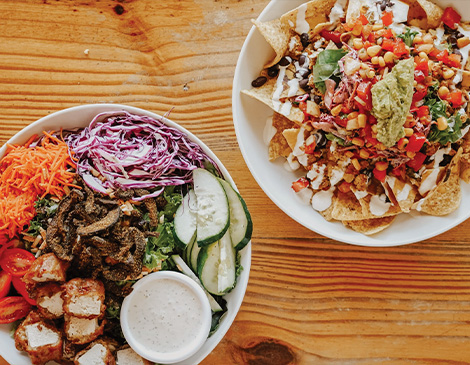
(310, 300)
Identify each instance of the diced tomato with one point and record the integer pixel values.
(417, 161)
(419, 76)
(20, 287)
(454, 60)
(420, 94)
(387, 18)
(344, 187)
(13, 308)
(379, 175)
(399, 48)
(443, 56)
(451, 18)
(364, 92)
(331, 36)
(300, 184)
(371, 38)
(423, 111)
(422, 65)
(5, 281)
(310, 148)
(345, 109)
(399, 171)
(455, 98)
(387, 33)
(16, 261)
(366, 30)
(415, 142)
(388, 44)
(363, 19)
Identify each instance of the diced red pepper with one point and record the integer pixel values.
(310, 148)
(399, 171)
(371, 38)
(455, 98)
(422, 65)
(387, 18)
(454, 60)
(443, 56)
(364, 92)
(363, 19)
(420, 94)
(399, 48)
(344, 187)
(331, 36)
(423, 111)
(417, 161)
(300, 184)
(387, 33)
(451, 18)
(379, 175)
(388, 44)
(415, 142)
(419, 76)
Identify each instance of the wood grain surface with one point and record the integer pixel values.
(310, 300)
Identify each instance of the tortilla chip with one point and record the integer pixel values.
(366, 202)
(316, 12)
(465, 167)
(277, 34)
(369, 226)
(354, 10)
(278, 145)
(400, 193)
(347, 207)
(327, 213)
(291, 136)
(446, 196)
(433, 13)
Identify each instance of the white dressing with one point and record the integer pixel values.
(301, 25)
(378, 205)
(269, 131)
(322, 200)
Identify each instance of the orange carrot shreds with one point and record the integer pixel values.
(27, 173)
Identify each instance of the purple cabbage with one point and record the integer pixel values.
(123, 150)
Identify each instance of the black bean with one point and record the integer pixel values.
(304, 39)
(285, 61)
(445, 160)
(273, 71)
(317, 99)
(320, 138)
(260, 81)
(302, 73)
(304, 85)
(302, 59)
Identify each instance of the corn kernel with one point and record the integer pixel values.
(357, 30)
(427, 38)
(363, 73)
(443, 92)
(370, 73)
(389, 57)
(353, 115)
(336, 110)
(402, 143)
(348, 178)
(425, 48)
(362, 120)
(380, 146)
(358, 141)
(448, 73)
(418, 40)
(410, 154)
(381, 165)
(356, 164)
(424, 55)
(352, 124)
(374, 50)
(348, 154)
(363, 54)
(374, 128)
(363, 154)
(408, 132)
(375, 60)
(441, 123)
(462, 42)
(357, 43)
(381, 61)
(377, 27)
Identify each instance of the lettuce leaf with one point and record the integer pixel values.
(326, 67)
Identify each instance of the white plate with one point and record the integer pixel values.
(249, 118)
(81, 116)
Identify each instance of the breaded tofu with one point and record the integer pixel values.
(130, 357)
(49, 301)
(82, 330)
(39, 338)
(84, 298)
(46, 268)
(97, 353)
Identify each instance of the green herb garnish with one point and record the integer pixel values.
(326, 67)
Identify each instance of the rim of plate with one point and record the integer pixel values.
(333, 230)
(88, 111)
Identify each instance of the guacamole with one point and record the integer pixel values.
(391, 101)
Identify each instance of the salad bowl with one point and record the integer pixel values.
(79, 117)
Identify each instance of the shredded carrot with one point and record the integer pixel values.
(27, 173)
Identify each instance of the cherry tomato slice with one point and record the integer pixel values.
(451, 18)
(5, 281)
(20, 287)
(13, 308)
(16, 261)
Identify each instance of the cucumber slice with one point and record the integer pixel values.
(187, 251)
(213, 214)
(192, 259)
(184, 228)
(187, 271)
(241, 225)
(208, 267)
(216, 266)
(226, 272)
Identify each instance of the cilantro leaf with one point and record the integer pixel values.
(340, 141)
(408, 36)
(326, 67)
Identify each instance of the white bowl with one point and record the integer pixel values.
(249, 118)
(81, 116)
(134, 304)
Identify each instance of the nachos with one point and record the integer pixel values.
(370, 101)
